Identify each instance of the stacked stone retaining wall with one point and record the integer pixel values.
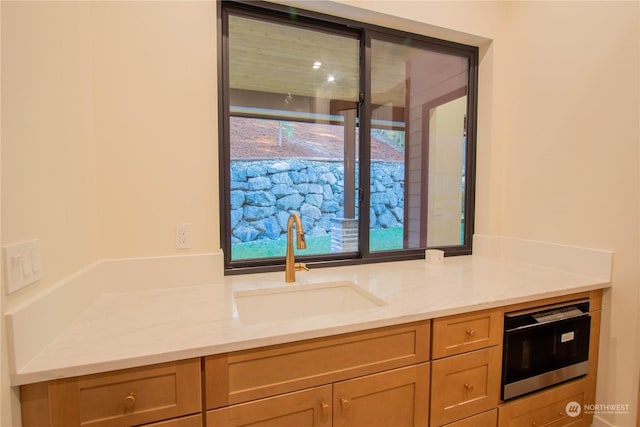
(265, 192)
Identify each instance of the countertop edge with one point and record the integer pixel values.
(27, 377)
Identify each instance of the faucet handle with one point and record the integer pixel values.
(299, 266)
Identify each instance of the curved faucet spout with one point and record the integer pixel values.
(290, 264)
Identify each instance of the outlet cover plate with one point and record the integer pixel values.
(184, 236)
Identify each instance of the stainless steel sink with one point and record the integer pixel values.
(297, 301)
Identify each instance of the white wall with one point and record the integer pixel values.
(109, 124)
(156, 125)
(109, 129)
(48, 142)
(572, 164)
(48, 145)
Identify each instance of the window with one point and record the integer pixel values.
(367, 133)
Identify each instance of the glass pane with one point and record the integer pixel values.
(447, 145)
(293, 136)
(418, 104)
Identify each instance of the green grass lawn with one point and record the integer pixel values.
(381, 240)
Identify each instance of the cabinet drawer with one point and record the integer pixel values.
(549, 408)
(486, 419)
(466, 332)
(115, 399)
(306, 408)
(254, 374)
(465, 385)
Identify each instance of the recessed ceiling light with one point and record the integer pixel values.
(331, 78)
(317, 65)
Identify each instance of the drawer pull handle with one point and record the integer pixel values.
(471, 332)
(468, 387)
(344, 402)
(323, 407)
(130, 401)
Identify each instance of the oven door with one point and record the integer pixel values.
(540, 355)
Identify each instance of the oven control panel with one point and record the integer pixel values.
(557, 314)
(547, 314)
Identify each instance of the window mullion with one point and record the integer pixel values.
(365, 145)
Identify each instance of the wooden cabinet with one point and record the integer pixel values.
(465, 385)
(254, 374)
(115, 399)
(306, 408)
(396, 398)
(461, 333)
(562, 405)
(466, 370)
(371, 378)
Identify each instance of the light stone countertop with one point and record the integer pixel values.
(123, 330)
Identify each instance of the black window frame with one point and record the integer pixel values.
(338, 25)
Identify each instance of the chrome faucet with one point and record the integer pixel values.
(291, 266)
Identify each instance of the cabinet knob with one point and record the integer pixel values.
(534, 424)
(324, 406)
(471, 332)
(344, 402)
(468, 387)
(130, 401)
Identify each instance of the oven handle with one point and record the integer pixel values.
(533, 325)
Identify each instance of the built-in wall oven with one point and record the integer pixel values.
(544, 346)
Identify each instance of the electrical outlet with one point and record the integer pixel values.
(184, 236)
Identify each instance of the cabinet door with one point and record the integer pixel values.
(115, 399)
(306, 408)
(398, 398)
(465, 385)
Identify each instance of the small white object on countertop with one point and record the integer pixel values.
(434, 256)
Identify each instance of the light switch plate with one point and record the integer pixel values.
(22, 265)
